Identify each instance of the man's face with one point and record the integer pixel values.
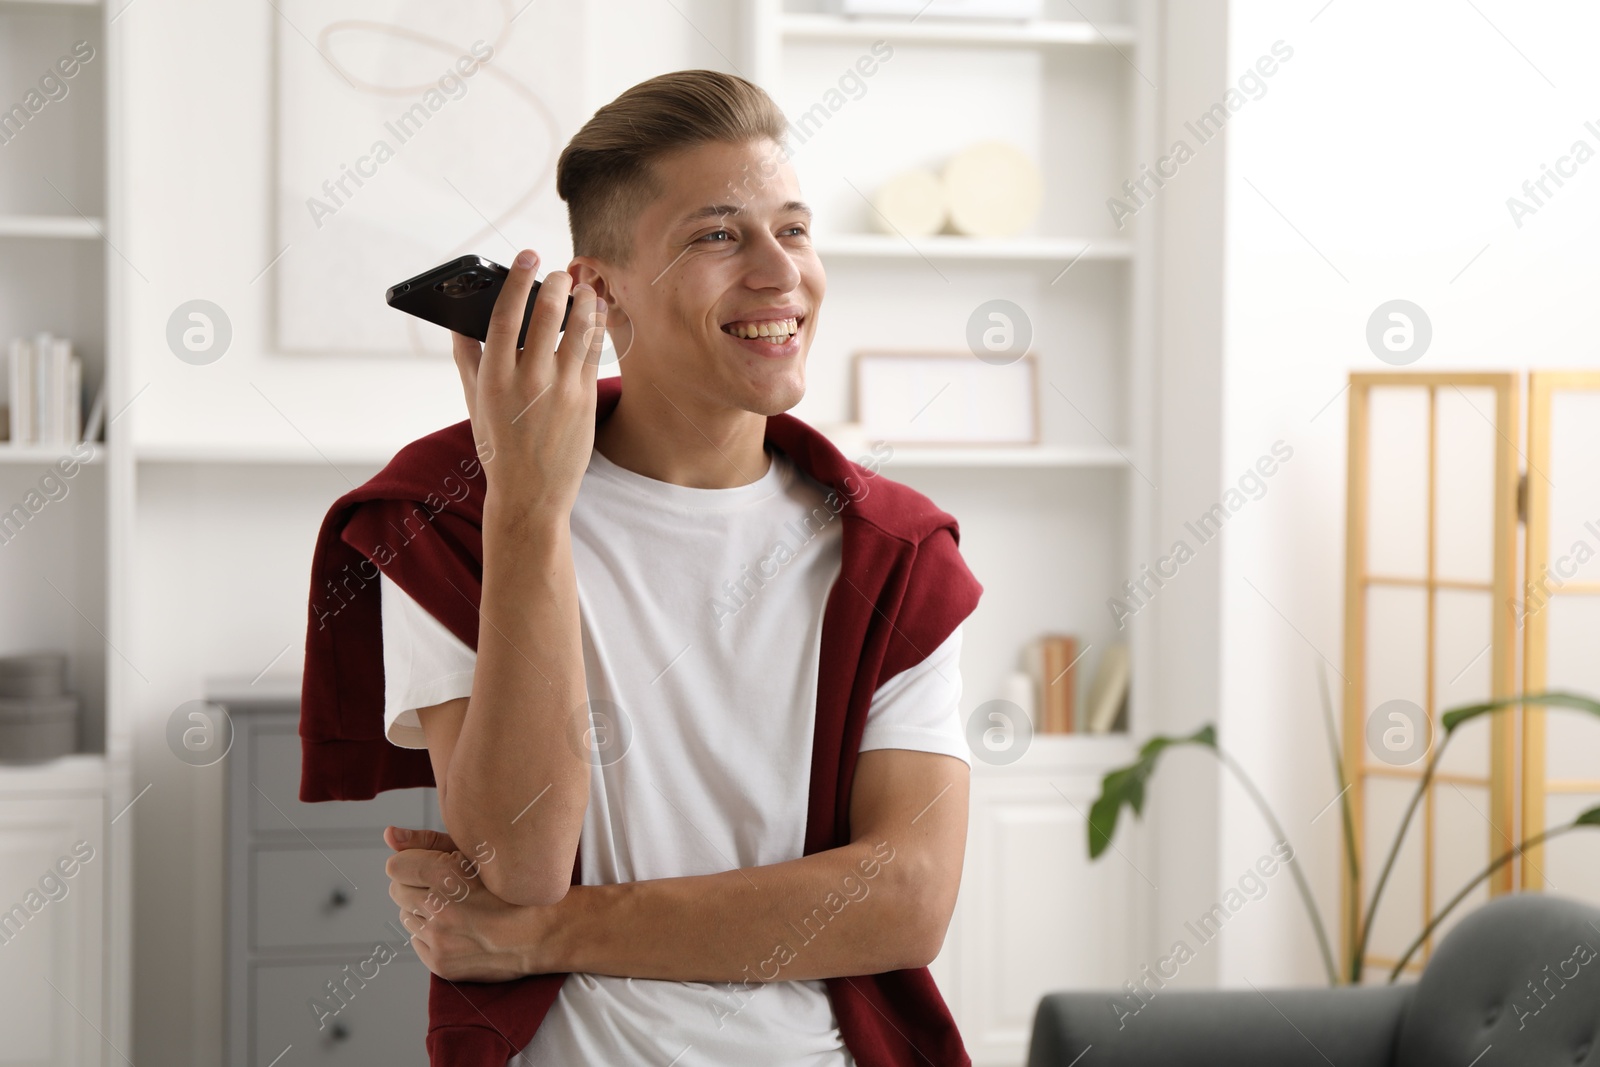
(725, 250)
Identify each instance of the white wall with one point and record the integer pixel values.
(1377, 166)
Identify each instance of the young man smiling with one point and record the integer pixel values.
(767, 809)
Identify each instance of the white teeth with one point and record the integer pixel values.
(780, 330)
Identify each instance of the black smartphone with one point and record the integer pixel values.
(460, 296)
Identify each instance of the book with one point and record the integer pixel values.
(1107, 705)
(45, 381)
(1052, 662)
(19, 379)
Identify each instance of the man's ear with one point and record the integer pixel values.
(587, 270)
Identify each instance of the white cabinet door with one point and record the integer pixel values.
(52, 896)
(1035, 916)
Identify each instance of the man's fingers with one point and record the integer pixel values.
(468, 354)
(548, 308)
(585, 337)
(413, 900)
(595, 349)
(500, 348)
(400, 837)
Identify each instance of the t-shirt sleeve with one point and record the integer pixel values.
(423, 664)
(920, 708)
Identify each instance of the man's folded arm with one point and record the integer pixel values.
(507, 759)
(881, 903)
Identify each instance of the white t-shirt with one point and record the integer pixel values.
(701, 616)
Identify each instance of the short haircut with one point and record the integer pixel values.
(605, 172)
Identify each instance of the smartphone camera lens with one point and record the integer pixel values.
(465, 283)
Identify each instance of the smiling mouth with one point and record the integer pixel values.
(775, 332)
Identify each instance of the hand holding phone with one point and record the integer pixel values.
(460, 296)
(531, 399)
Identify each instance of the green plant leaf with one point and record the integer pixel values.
(1555, 699)
(1124, 787)
(1588, 818)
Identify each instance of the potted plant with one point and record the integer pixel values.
(1125, 786)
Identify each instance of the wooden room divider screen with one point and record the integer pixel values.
(1361, 582)
(1547, 585)
(1511, 772)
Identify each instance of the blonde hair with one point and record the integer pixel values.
(605, 172)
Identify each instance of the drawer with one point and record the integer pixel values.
(306, 897)
(275, 772)
(382, 1019)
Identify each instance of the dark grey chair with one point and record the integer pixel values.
(1517, 982)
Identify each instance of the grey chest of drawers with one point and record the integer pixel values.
(319, 970)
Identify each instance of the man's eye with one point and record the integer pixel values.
(716, 234)
(800, 229)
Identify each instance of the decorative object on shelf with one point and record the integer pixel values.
(1052, 662)
(911, 204)
(46, 387)
(965, 9)
(946, 398)
(1107, 708)
(992, 189)
(97, 413)
(1124, 787)
(38, 717)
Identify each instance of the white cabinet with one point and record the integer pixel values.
(52, 903)
(1034, 914)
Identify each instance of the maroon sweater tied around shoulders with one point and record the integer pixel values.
(902, 590)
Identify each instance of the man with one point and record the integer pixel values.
(645, 689)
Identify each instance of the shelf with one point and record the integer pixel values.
(70, 227)
(1061, 250)
(964, 32)
(48, 454)
(298, 453)
(1050, 456)
(1066, 753)
(79, 772)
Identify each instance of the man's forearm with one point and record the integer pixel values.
(517, 776)
(846, 911)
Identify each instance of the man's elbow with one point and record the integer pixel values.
(526, 888)
(929, 910)
(925, 939)
(524, 876)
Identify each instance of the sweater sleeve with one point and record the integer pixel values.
(940, 593)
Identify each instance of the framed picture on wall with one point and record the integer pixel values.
(946, 398)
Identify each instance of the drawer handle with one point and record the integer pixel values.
(338, 899)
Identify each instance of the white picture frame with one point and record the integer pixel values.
(946, 399)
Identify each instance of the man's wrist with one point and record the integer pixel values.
(549, 934)
(524, 520)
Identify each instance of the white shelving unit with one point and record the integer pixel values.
(1043, 526)
(66, 227)
(1065, 515)
(53, 277)
(804, 26)
(1063, 251)
(67, 976)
